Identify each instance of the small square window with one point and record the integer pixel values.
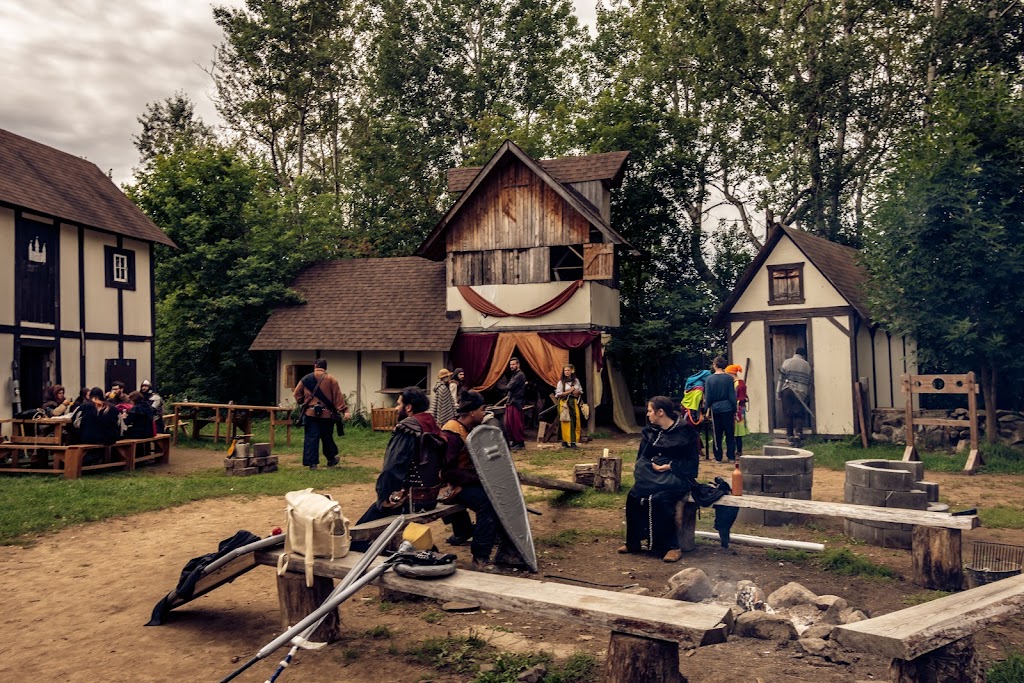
(786, 284)
(398, 376)
(119, 265)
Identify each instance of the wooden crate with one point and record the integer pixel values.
(383, 419)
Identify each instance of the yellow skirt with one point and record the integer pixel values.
(571, 428)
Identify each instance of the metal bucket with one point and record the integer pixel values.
(992, 571)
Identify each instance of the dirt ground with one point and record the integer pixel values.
(76, 600)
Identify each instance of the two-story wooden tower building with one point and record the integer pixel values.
(530, 266)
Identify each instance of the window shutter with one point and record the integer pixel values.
(598, 261)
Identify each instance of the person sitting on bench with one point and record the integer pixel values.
(668, 446)
(464, 487)
(415, 432)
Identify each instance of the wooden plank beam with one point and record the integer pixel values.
(850, 511)
(527, 479)
(941, 422)
(914, 631)
(638, 615)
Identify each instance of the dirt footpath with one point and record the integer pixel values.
(76, 601)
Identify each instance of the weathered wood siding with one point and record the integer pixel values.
(598, 194)
(499, 266)
(515, 209)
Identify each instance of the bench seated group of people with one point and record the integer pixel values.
(102, 418)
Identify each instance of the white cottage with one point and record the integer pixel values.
(76, 276)
(803, 290)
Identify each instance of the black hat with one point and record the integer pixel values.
(470, 401)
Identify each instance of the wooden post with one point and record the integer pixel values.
(910, 453)
(177, 422)
(686, 525)
(632, 659)
(974, 458)
(865, 428)
(953, 662)
(584, 473)
(937, 558)
(273, 421)
(592, 378)
(297, 601)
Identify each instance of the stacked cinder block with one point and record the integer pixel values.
(892, 484)
(779, 472)
(252, 460)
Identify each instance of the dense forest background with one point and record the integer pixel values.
(895, 126)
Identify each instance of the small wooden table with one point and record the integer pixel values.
(20, 432)
(229, 410)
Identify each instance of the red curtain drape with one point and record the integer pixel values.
(577, 340)
(487, 308)
(472, 353)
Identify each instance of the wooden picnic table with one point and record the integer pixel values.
(229, 410)
(20, 432)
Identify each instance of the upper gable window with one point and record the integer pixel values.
(120, 267)
(786, 284)
(567, 263)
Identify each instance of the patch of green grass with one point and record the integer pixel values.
(578, 668)
(591, 499)
(833, 455)
(433, 616)
(379, 631)
(848, 563)
(599, 435)
(1002, 517)
(791, 556)
(921, 598)
(1010, 670)
(358, 441)
(568, 537)
(384, 606)
(36, 504)
(462, 654)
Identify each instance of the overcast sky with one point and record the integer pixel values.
(76, 75)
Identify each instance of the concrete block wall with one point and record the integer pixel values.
(779, 472)
(892, 484)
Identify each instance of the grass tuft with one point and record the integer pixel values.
(379, 631)
(1002, 517)
(921, 598)
(847, 563)
(1010, 670)
(791, 556)
(462, 654)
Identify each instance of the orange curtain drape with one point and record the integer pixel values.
(545, 359)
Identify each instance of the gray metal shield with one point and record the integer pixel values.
(493, 462)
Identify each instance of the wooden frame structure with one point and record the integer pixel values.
(228, 419)
(942, 384)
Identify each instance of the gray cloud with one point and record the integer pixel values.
(76, 75)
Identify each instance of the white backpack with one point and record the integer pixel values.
(315, 528)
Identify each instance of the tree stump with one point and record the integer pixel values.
(953, 662)
(609, 474)
(584, 473)
(297, 601)
(632, 659)
(937, 558)
(686, 525)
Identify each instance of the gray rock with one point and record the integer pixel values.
(750, 598)
(534, 674)
(765, 626)
(725, 589)
(790, 595)
(822, 631)
(804, 614)
(834, 614)
(690, 585)
(854, 616)
(825, 601)
(813, 646)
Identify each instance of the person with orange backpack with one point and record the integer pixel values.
(742, 401)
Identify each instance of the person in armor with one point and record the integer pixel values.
(463, 486)
(415, 442)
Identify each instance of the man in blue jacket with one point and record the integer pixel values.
(720, 396)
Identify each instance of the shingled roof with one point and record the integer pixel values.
(837, 262)
(56, 184)
(376, 304)
(608, 166)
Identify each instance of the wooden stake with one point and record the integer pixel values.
(937, 558)
(297, 601)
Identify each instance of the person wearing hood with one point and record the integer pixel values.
(457, 384)
(443, 407)
(668, 444)
(156, 403)
(415, 426)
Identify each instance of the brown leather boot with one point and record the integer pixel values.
(673, 555)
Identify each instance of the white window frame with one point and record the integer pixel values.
(120, 268)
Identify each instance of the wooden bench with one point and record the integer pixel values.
(70, 460)
(645, 631)
(369, 531)
(933, 641)
(936, 544)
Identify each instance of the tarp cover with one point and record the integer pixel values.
(193, 571)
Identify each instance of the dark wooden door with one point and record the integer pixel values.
(35, 365)
(36, 271)
(783, 341)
